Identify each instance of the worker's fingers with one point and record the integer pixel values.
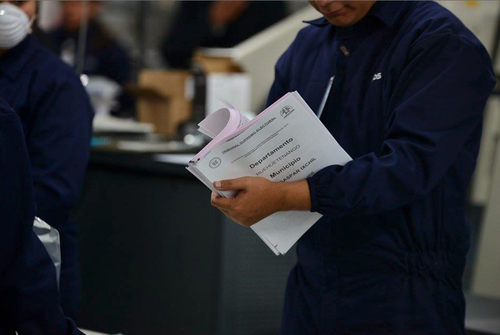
(220, 202)
(215, 196)
(231, 184)
(226, 213)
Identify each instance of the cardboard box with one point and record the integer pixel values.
(216, 61)
(226, 80)
(163, 99)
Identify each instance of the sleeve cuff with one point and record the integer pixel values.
(314, 194)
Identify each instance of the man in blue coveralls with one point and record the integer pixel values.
(29, 299)
(57, 120)
(410, 83)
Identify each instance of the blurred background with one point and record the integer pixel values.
(155, 257)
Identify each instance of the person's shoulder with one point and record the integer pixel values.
(52, 68)
(54, 78)
(428, 19)
(307, 40)
(313, 33)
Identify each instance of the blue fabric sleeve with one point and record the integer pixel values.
(437, 104)
(16, 193)
(59, 146)
(34, 304)
(29, 297)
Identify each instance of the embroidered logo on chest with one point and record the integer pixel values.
(377, 76)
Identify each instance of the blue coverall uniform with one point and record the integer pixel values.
(57, 120)
(410, 85)
(29, 299)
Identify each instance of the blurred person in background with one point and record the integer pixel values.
(103, 54)
(42, 37)
(57, 120)
(29, 298)
(221, 24)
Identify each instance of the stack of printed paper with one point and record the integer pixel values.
(286, 142)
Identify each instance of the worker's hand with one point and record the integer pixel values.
(257, 198)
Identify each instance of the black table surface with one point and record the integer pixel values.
(138, 162)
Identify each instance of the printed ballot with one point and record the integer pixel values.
(286, 142)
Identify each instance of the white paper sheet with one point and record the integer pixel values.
(285, 143)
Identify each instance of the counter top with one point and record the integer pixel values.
(483, 315)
